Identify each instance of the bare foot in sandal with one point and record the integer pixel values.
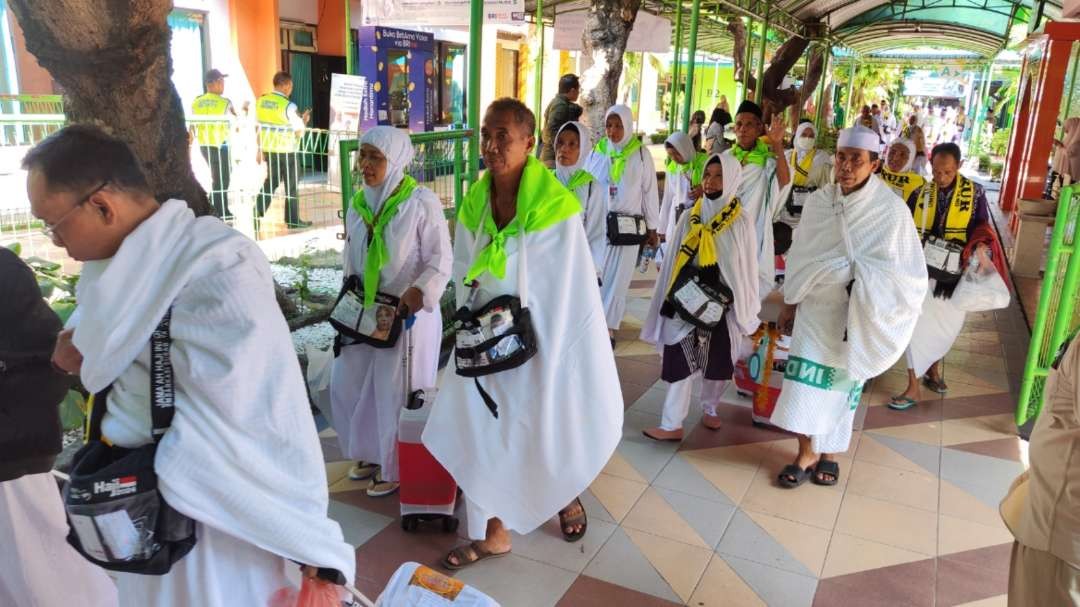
(496, 544)
(573, 521)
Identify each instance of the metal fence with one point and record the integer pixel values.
(1054, 317)
(31, 104)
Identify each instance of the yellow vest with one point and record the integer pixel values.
(275, 134)
(904, 184)
(210, 133)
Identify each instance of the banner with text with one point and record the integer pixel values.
(651, 34)
(438, 13)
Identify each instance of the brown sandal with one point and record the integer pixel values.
(568, 520)
(464, 555)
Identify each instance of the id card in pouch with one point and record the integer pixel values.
(378, 325)
(937, 256)
(348, 310)
(627, 224)
(691, 297)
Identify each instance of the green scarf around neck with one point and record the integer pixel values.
(759, 155)
(696, 167)
(378, 254)
(542, 202)
(578, 179)
(618, 157)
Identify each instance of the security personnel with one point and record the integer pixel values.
(280, 129)
(213, 137)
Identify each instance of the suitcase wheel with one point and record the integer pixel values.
(450, 524)
(758, 424)
(410, 523)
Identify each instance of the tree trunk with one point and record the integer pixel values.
(607, 28)
(775, 99)
(738, 35)
(112, 59)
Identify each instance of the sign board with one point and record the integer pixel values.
(346, 98)
(651, 34)
(930, 83)
(438, 13)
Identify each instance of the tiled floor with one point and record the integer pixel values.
(913, 522)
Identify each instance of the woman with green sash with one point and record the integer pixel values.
(396, 243)
(572, 146)
(682, 185)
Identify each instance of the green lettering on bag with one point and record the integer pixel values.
(810, 373)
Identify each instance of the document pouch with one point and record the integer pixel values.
(118, 518)
(942, 259)
(797, 200)
(697, 298)
(378, 326)
(624, 230)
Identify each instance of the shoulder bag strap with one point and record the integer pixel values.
(162, 394)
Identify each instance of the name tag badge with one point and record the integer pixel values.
(348, 310)
(799, 198)
(936, 255)
(628, 225)
(613, 191)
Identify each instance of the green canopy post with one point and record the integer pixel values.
(476, 30)
(691, 64)
(349, 67)
(819, 121)
(759, 90)
(850, 90)
(538, 100)
(673, 115)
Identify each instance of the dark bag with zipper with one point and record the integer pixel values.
(698, 296)
(378, 326)
(119, 520)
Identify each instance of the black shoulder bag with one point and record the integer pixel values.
(118, 517)
(626, 229)
(378, 326)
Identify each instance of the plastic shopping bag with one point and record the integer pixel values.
(414, 585)
(979, 291)
(318, 593)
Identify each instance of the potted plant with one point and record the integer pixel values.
(996, 168)
(659, 136)
(984, 163)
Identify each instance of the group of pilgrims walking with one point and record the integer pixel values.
(541, 264)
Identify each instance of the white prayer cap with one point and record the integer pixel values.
(859, 137)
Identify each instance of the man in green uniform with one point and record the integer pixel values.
(213, 137)
(280, 129)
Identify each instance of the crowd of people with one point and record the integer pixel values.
(541, 261)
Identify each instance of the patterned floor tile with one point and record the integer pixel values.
(809, 504)
(990, 404)
(872, 450)
(708, 518)
(965, 469)
(595, 508)
(588, 591)
(958, 502)
(806, 544)
(652, 514)
(616, 495)
(960, 535)
(620, 562)
(904, 584)
(516, 580)
(928, 433)
(618, 466)
(336, 471)
(646, 455)
(682, 475)
(849, 554)
(776, 587)
(747, 539)
(992, 558)
(652, 401)
(547, 545)
(732, 481)
(721, 586)
(681, 565)
(958, 583)
(1013, 448)
(738, 429)
(976, 429)
(915, 489)
(379, 557)
(1001, 600)
(357, 525)
(926, 456)
(888, 523)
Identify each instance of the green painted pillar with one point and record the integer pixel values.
(759, 90)
(980, 111)
(748, 61)
(819, 121)
(850, 91)
(673, 120)
(538, 99)
(688, 98)
(349, 67)
(476, 31)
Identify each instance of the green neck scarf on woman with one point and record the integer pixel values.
(759, 155)
(378, 254)
(578, 179)
(618, 157)
(542, 201)
(696, 167)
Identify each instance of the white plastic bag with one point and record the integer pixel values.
(414, 585)
(979, 291)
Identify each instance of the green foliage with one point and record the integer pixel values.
(984, 163)
(996, 168)
(999, 143)
(303, 289)
(659, 136)
(72, 410)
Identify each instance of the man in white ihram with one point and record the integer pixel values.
(241, 457)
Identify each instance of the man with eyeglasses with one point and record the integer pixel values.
(237, 387)
(856, 278)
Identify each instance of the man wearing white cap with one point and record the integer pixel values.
(856, 278)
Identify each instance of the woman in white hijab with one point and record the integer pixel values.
(396, 243)
(811, 169)
(682, 185)
(625, 171)
(897, 171)
(572, 146)
(716, 238)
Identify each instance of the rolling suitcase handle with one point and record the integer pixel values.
(359, 596)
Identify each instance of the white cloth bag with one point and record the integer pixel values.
(979, 291)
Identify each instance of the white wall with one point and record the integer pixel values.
(306, 11)
(221, 54)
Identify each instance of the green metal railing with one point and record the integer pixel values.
(438, 164)
(26, 130)
(1054, 319)
(31, 104)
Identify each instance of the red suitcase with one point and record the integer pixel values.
(761, 375)
(427, 491)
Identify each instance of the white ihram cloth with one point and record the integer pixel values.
(676, 192)
(883, 256)
(738, 268)
(762, 197)
(820, 173)
(636, 194)
(367, 388)
(38, 568)
(529, 463)
(242, 457)
(940, 323)
(592, 196)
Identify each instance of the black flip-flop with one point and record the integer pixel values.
(826, 466)
(938, 386)
(791, 471)
(571, 521)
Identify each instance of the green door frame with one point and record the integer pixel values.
(476, 31)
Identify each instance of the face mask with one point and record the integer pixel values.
(804, 144)
(714, 195)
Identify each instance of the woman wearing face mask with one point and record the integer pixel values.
(811, 169)
(717, 243)
(572, 144)
(396, 243)
(897, 173)
(625, 172)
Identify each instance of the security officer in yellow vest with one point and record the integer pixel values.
(280, 129)
(213, 137)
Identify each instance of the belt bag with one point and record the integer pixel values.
(625, 230)
(797, 199)
(118, 517)
(378, 326)
(942, 259)
(699, 301)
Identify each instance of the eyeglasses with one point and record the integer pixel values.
(49, 230)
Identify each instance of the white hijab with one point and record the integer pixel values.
(627, 117)
(731, 173)
(564, 172)
(800, 154)
(910, 145)
(682, 144)
(395, 144)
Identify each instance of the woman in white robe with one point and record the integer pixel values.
(572, 147)
(857, 276)
(811, 169)
(682, 186)
(548, 426)
(691, 354)
(625, 171)
(367, 388)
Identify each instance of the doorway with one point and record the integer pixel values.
(506, 72)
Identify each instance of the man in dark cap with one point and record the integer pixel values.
(763, 180)
(213, 136)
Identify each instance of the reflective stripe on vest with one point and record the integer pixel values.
(275, 134)
(210, 133)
